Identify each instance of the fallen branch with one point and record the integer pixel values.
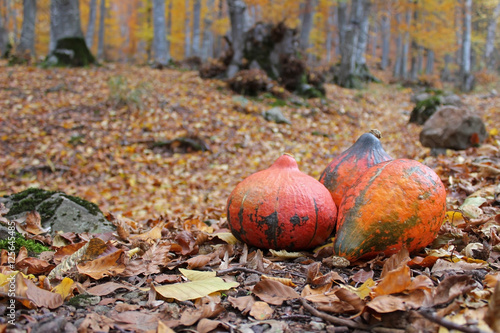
(238, 269)
(432, 316)
(334, 320)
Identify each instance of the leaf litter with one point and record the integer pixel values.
(173, 264)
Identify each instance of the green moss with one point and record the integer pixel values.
(80, 56)
(19, 241)
(90, 206)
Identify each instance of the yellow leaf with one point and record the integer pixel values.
(494, 131)
(64, 288)
(227, 237)
(285, 254)
(362, 291)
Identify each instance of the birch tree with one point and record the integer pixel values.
(306, 24)
(208, 38)
(466, 78)
(385, 29)
(187, 31)
(161, 57)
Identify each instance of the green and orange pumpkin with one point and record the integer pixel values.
(394, 204)
(343, 170)
(281, 208)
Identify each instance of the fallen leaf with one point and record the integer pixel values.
(492, 318)
(274, 292)
(394, 281)
(110, 265)
(107, 288)
(65, 288)
(243, 303)
(261, 311)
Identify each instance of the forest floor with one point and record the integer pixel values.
(116, 135)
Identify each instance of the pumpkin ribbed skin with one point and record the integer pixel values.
(393, 204)
(281, 208)
(343, 170)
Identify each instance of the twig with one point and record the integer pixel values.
(431, 316)
(334, 320)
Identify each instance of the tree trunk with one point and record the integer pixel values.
(4, 39)
(89, 36)
(195, 46)
(67, 43)
(218, 39)
(399, 50)
(100, 42)
(237, 17)
(353, 70)
(159, 34)
(64, 20)
(386, 38)
(342, 23)
(489, 57)
(374, 40)
(306, 24)
(187, 32)
(329, 34)
(27, 41)
(169, 29)
(208, 38)
(429, 66)
(406, 47)
(467, 79)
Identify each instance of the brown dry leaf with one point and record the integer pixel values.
(107, 288)
(96, 247)
(492, 318)
(350, 298)
(22, 254)
(187, 242)
(261, 311)
(199, 261)
(274, 292)
(207, 325)
(41, 297)
(395, 262)
(394, 281)
(421, 282)
(124, 307)
(167, 278)
(67, 250)
(34, 266)
(94, 322)
(392, 303)
(21, 290)
(163, 328)
(32, 225)
(451, 287)
(191, 316)
(151, 235)
(285, 281)
(428, 261)
(491, 279)
(110, 265)
(135, 321)
(362, 275)
(152, 259)
(243, 303)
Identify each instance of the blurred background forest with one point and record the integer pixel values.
(416, 39)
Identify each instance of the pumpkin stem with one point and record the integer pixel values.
(376, 132)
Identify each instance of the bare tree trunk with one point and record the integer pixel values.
(386, 39)
(100, 42)
(306, 24)
(374, 39)
(218, 38)
(159, 33)
(64, 20)
(27, 41)
(187, 32)
(406, 47)
(169, 29)
(4, 39)
(208, 38)
(429, 66)
(329, 33)
(89, 36)
(399, 51)
(342, 23)
(237, 17)
(467, 79)
(195, 46)
(489, 57)
(363, 32)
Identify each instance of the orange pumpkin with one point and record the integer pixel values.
(393, 204)
(281, 208)
(343, 170)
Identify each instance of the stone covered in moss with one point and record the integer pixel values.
(71, 52)
(59, 211)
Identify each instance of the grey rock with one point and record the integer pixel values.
(59, 211)
(419, 97)
(451, 99)
(275, 115)
(451, 127)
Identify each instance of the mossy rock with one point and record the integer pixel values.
(72, 52)
(59, 211)
(427, 103)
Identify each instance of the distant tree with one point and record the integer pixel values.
(100, 41)
(306, 23)
(89, 35)
(159, 38)
(67, 44)
(195, 45)
(27, 40)
(237, 17)
(489, 57)
(385, 30)
(187, 35)
(208, 38)
(466, 77)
